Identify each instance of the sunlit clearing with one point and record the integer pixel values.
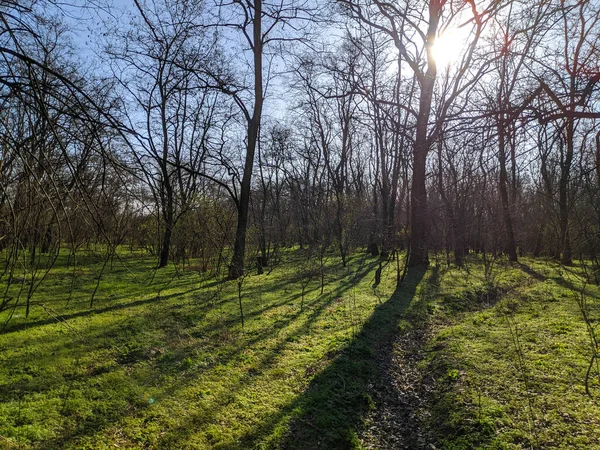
(447, 48)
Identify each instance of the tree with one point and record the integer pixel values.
(414, 29)
(569, 95)
(163, 61)
(56, 146)
(260, 25)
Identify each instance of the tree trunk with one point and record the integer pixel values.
(418, 196)
(166, 240)
(598, 158)
(565, 243)
(372, 247)
(563, 197)
(164, 250)
(419, 216)
(236, 269)
(511, 247)
(418, 237)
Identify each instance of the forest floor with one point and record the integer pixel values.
(488, 356)
(496, 362)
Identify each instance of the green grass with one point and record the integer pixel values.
(161, 359)
(510, 360)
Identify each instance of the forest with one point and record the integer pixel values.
(299, 224)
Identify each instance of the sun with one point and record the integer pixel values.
(447, 48)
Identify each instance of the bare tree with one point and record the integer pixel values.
(260, 26)
(569, 95)
(414, 28)
(162, 62)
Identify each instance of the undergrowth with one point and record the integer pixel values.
(161, 360)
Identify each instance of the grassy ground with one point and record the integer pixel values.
(162, 361)
(508, 358)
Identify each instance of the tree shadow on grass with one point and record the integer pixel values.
(177, 436)
(129, 403)
(127, 345)
(332, 408)
(531, 272)
(12, 327)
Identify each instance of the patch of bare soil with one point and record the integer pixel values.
(399, 394)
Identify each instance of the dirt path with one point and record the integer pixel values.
(398, 396)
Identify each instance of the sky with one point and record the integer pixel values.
(88, 25)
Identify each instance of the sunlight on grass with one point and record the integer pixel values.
(520, 362)
(161, 360)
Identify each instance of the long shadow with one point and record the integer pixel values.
(333, 275)
(343, 288)
(11, 328)
(174, 438)
(529, 271)
(188, 426)
(327, 414)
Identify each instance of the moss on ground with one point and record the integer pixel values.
(161, 359)
(510, 359)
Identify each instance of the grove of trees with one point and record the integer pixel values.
(226, 131)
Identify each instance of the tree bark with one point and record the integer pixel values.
(419, 216)
(166, 245)
(511, 247)
(236, 269)
(418, 196)
(168, 217)
(563, 198)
